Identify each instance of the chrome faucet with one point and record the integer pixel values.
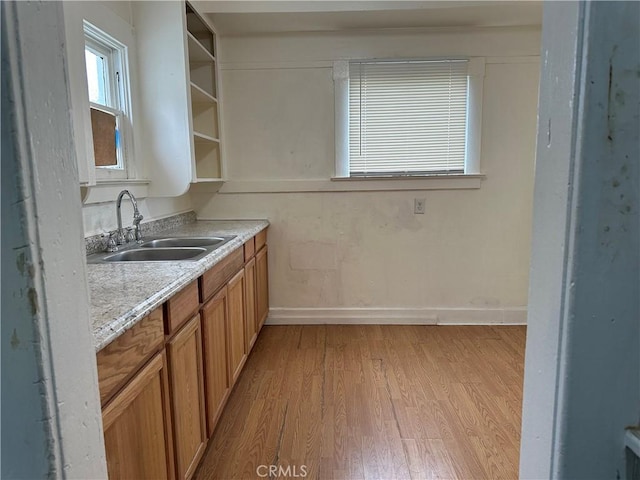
(137, 218)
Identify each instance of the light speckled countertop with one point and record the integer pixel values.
(123, 293)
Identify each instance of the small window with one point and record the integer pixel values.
(407, 118)
(107, 82)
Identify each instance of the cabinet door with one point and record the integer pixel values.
(137, 426)
(237, 354)
(262, 286)
(214, 341)
(187, 397)
(251, 319)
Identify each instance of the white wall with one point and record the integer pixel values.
(367, 249)
(99, 211)
(101, 217)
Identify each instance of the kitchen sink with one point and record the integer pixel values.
(154, 254)
(186, 242)
(163, 249)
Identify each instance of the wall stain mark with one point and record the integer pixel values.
(15, 341)
(32, 295)
(24, 265)
(609, 98)
(625, 210)
(21, 261)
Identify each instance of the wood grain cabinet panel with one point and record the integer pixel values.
(236, 343)
(249, 248)
(216, 372)
(251, 319)
(261, 239)
(262, 286)
(137, 427)
(215, 278)
(118, 361)
(187, 397)
(182, 306)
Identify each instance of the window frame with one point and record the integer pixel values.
(119, 98)
(475, 79)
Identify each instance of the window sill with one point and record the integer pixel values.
(108, 190)
(422, 182)
(354, 184)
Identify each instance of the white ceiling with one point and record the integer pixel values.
(243, 17)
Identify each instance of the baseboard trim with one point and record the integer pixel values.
(397, 316)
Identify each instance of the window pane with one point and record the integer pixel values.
(407, 117)
(96, 77)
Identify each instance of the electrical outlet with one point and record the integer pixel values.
(418, 205)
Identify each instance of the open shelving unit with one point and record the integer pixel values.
(203, 92)
(179, 104)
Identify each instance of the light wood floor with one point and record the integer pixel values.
(369, 401)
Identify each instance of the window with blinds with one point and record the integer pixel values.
(407, 117)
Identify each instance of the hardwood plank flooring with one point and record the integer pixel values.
(374, 402)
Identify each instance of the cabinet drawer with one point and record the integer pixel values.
(214, 278)
(182, 306)
(261, 239)
(249, 248)
(119, 360)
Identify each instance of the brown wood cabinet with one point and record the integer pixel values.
(250, 312)
(216, 370)
(216, 277)
(237, 353)
(137, 426)
(181, 307)
(164, 382)
(262, 286)
(187, 397)
(121, 359)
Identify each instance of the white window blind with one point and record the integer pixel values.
(407, 117)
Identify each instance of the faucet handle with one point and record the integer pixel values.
(112, 242)
(130, 235)
(138, 232)
(137, 218)
(121, 237)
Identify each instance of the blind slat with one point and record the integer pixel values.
(407, 117)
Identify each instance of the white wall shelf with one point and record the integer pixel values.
(205, 115)
(201, 137)
(197, 52)
(198, 95)
(180, 97)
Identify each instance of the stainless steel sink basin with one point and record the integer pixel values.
(163, 249)
(185, 242)
(154, 254)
